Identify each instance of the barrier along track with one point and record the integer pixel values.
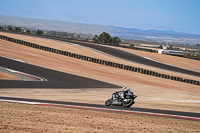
(100, 61)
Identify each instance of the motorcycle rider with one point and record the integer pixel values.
(123, 92)
(123, 97)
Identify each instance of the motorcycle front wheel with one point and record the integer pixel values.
(108, 102)
(129, 103)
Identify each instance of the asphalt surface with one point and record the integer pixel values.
(56, 79)
(135, 58)
(166, 112)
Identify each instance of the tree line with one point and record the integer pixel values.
(105, 38)
(19, 29)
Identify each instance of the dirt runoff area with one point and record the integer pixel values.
(152, 92)
(33, 118)
(8, 76)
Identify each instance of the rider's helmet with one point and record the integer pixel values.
(126, 89)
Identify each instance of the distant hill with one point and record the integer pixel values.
(124, 33)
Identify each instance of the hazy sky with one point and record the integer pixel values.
(177, 15)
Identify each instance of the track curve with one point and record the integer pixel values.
(56, 79)
(134, 58)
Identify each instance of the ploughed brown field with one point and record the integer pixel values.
(152, 92)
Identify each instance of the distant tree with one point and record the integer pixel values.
(87, 39)
(9, 28)
(105, 38)
(95, 39)
(116, 40)
(131, 45)
(1, 28)
(17, 29)
(51, 33)
(58, 33)
(39, 32)
(72, 35)
(28, 31)
(161, 47)
(197, 45)
(78, 36)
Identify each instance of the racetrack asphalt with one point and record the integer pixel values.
(134, 58)
(55, 79)
(134, 110)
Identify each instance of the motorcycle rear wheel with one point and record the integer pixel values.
(129, 104)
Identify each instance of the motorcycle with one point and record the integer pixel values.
(125, 99)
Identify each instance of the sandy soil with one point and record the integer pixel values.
(152, 92)
(31, 118)
(7, 76)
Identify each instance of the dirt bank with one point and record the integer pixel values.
(31, 118)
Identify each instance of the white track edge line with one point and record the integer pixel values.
(13, 59)
(96, 108)
(18, 72)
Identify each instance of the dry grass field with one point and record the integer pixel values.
(152, 92)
